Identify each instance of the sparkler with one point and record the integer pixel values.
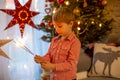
(21, 45)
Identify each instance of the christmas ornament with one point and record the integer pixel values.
(76, 11)
(76, 25)
(60, 1)
(42, 24)
(2, 43)
(46, 5)
(85, 4)
(50, 0)
(104, 2)
(48, 10)
(67, 3)
(49, 24)
(99, 3)
(22, 15)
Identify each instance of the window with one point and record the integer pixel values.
(21, 66)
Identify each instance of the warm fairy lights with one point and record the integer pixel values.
(100, 25)
(79, 28)
(67, 3)
(54, 10)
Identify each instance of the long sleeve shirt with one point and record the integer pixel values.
(64, 54)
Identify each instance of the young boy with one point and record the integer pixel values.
(63, 54)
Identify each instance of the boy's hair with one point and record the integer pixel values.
(63, 14)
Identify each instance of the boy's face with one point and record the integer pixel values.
(62, 28)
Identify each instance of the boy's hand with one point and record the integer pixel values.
(38, 59)
(48, 66)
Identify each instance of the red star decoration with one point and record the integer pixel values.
(22, 15)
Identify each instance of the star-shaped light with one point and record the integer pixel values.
(2, 43)
(22, 15)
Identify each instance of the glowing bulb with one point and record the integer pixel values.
(78, 28)
(79, 22)
(92, 22)
(100, 25)
(54, 10)
(98, 16)
(67, 3)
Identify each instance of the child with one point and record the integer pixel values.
(63, 54)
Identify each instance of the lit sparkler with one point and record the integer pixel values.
(21, 45)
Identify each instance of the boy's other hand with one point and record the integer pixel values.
(48, 66)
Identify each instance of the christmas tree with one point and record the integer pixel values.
(91, 23)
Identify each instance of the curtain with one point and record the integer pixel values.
(21, 65)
